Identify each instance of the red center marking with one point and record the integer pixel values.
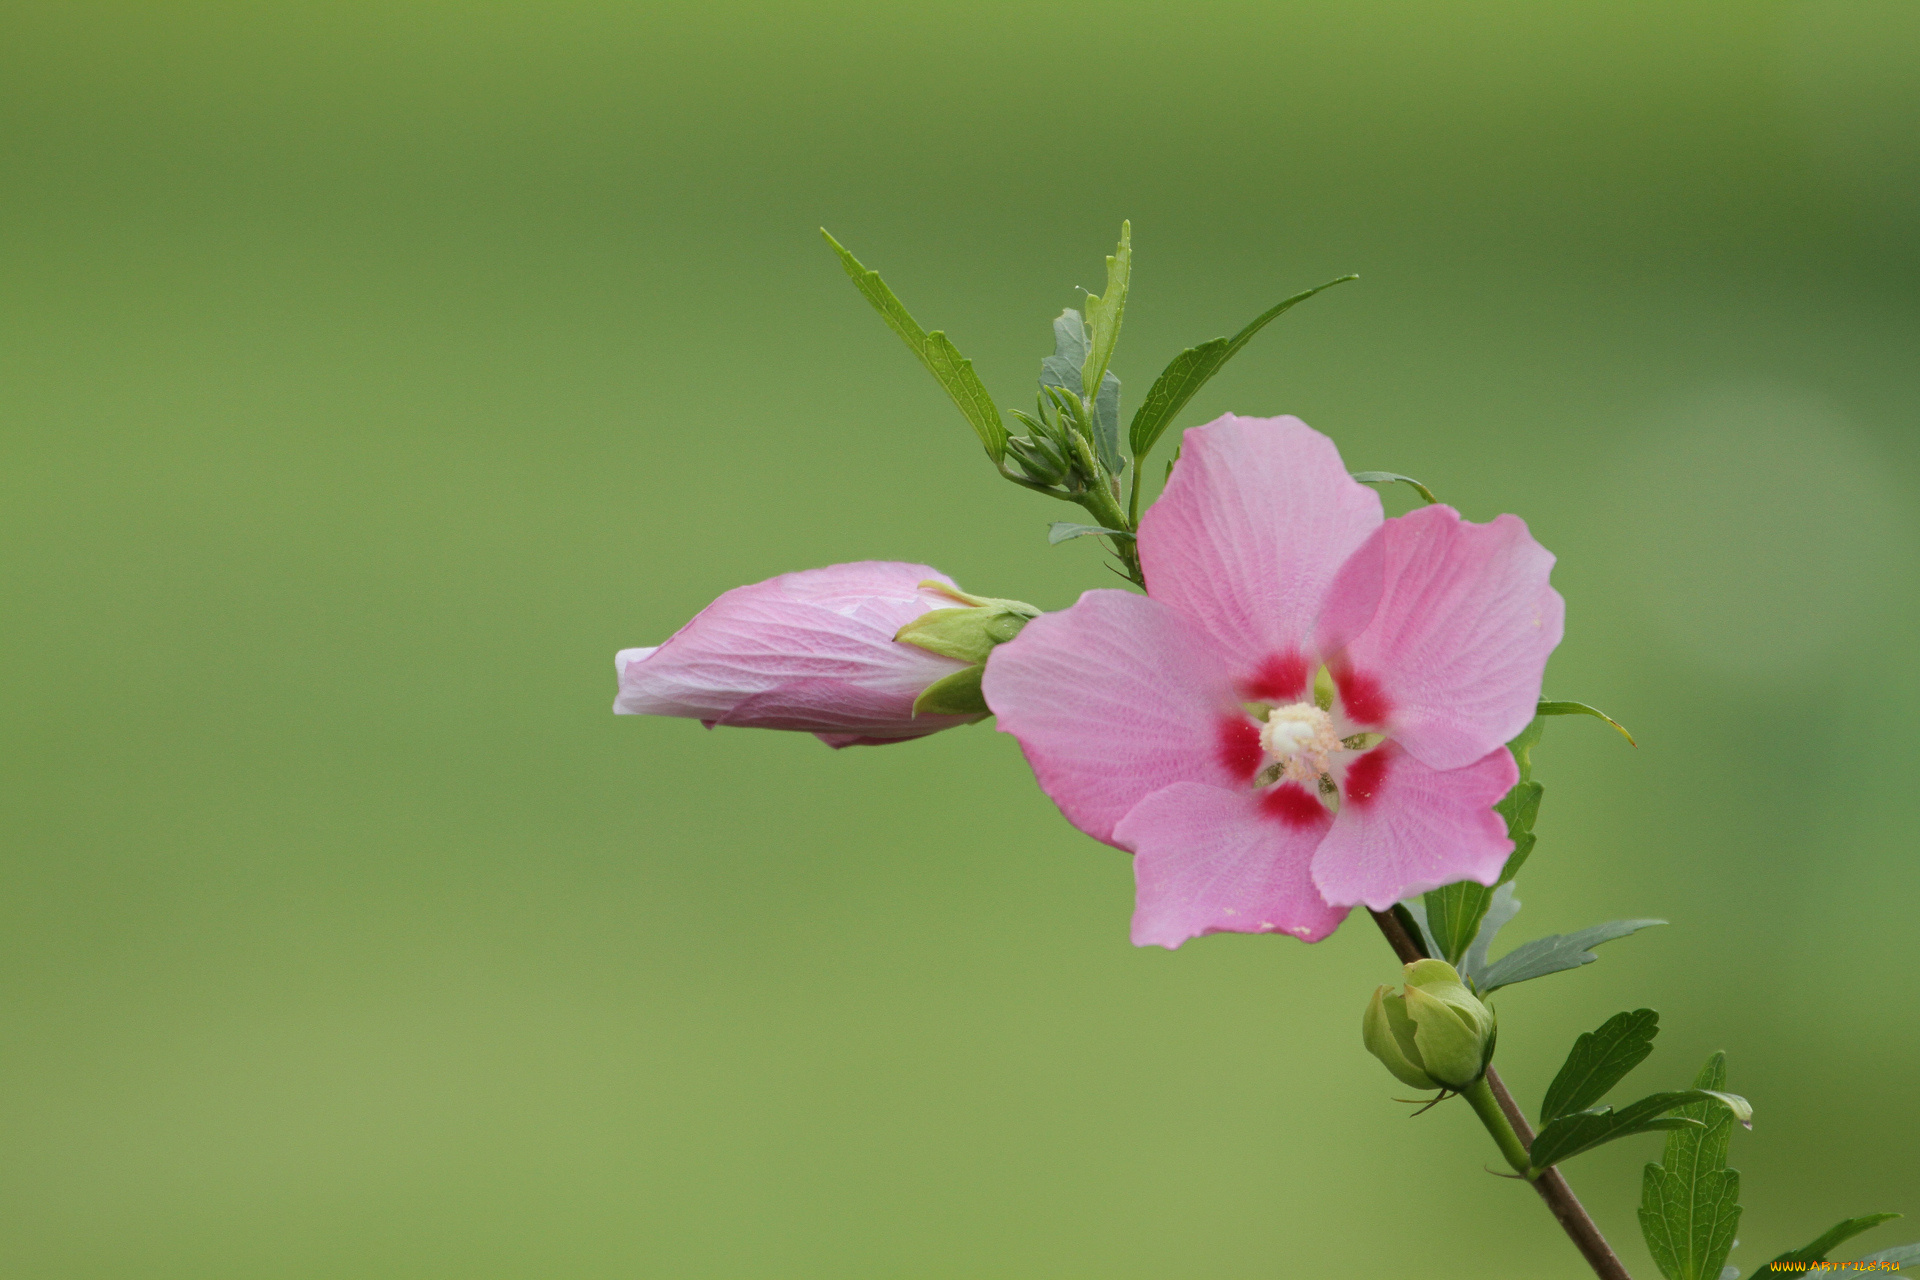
(1293, 805)
(1366, 774)
(1281, 678)
(1361, 697)
(1239, 750)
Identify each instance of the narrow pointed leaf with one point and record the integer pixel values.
(1389, 477)
(1690, 1201)
(1063, 530)
(1582, 709)
(1830, 1240)
(1600, 1060)
(953, 371)
(1104, 314)
(1569, 1135)
(1189, 371)
(1555, 952)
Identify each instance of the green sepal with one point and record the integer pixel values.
(955, 695)
(1104, 314)
(1189, 371)
(949, 368)
(1388, 1034)
(1690, 1201)
(1598, 1061)
(1834, 1236)
(1570, 1135)
(967, 634)
(952, 592)
(1390, 477)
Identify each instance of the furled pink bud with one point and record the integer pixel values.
(812, 651)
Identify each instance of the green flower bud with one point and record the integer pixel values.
(1040, 458)
(1437, 1035)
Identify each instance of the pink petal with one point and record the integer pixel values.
(811, 651)
(1208, 860)
(1450, 658)
(1114, 699)
(1404, 828)
(1258, 518)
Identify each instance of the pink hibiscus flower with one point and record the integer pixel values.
(1184, 725)
(812, 651)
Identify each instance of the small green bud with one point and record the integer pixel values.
(1040, 458)
(1437, 1035)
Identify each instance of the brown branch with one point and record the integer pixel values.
(1553, 1188)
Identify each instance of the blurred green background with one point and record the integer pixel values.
(371, 372)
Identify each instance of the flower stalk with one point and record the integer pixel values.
(1480, 1097)
(1552, 1186)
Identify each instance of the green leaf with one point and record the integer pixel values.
(955, 695)
(1189, 371)
(949, 368)
(1062, 530)
(1503, 907)
(1906, 1257)
(1106, 425)
(1554, 953)
(1690, 1201)
(1454, 913)
(1569, 1135)
(1062, 368)
(1389, 477)
(1833, 1238)
(1600, 1060)
(1582, 709)
(1413, 917)
(1521, 809)
(1104, 313)
(1522, 748)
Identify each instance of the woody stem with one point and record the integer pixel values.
(1553, 1188)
